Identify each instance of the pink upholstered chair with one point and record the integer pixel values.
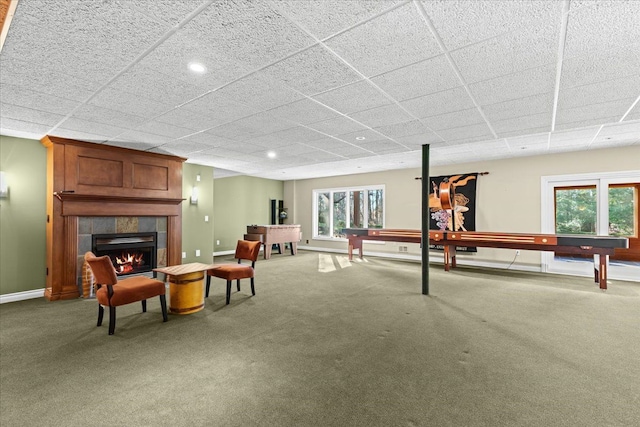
(245, 250)
(112, 292)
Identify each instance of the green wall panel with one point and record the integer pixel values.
(23, 215)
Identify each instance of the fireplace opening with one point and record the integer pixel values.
(130, 253)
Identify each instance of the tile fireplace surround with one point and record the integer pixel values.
(88, 226)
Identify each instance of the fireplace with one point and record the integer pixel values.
(130, 253)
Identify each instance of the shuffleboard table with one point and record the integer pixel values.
(604, 246)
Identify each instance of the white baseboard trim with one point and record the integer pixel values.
(21, 296)
(221, 253)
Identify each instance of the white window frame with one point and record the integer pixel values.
(601, 180)
(365, 188)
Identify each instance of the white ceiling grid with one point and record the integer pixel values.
(333, 87)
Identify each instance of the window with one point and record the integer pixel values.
(338, 208)
(604, 204)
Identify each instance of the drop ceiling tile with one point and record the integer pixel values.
(79, 135)
(224, 26)
(584, 123)
(536, 104)
(16, 112)
(208, 139)
(625, 131)
(168, 12)
(298, 134)
(92, 127)
(382, 116)
(633, 114)
(129, 103)
(419, 140)
(328, 17)
(174, 55)
(136, 145)
(304, 112)
(164, 129)
(461, 22)
(402, 129)
(361, 138)
(93, 113)
(338, 125)
(491, 147)
(295, 150)
(523, 125)
(134, 138)
(513, 86)
(180, 148)
(27, 98)
(574, 136)
(602, 27)
(464, 133)
(264, 123)
(219, 109)
(27, 75)
(320, 157)
(588, 69)
(352, 152)
(239, 152)
(312, 71)
(189, 119)
(384, 147)
(10, 126)
(103, 37)
(532, 131)
(260, 93)
(220, 157)
(540, 139)
(446, 101)
(602, 112)
(145, 82)
(327, 144)
(422, 78)
(354, 97)
(403, 44)
(595, 93)
(573, 143)
(455, 119)
(517, 51)
(236, 131)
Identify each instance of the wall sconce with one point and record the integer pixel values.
(194, 195)
(4, 186)
(194, 192)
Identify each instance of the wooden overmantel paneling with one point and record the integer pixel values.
(87, 179)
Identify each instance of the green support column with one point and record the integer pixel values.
(425, 219)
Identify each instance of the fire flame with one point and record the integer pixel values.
(127, 262)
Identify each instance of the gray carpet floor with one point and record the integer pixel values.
(325, 342)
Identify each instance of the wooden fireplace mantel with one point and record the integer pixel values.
(87, 179)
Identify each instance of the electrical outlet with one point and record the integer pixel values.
(197, 252)
(517, 252)
(206, 218)
(217, 242)
(184, 255)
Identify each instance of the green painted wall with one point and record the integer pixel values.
(23, 215)
(197, 231)
(240, 201)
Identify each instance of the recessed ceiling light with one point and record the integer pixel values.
(197, 68)
(271, 154)
(360, 138)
